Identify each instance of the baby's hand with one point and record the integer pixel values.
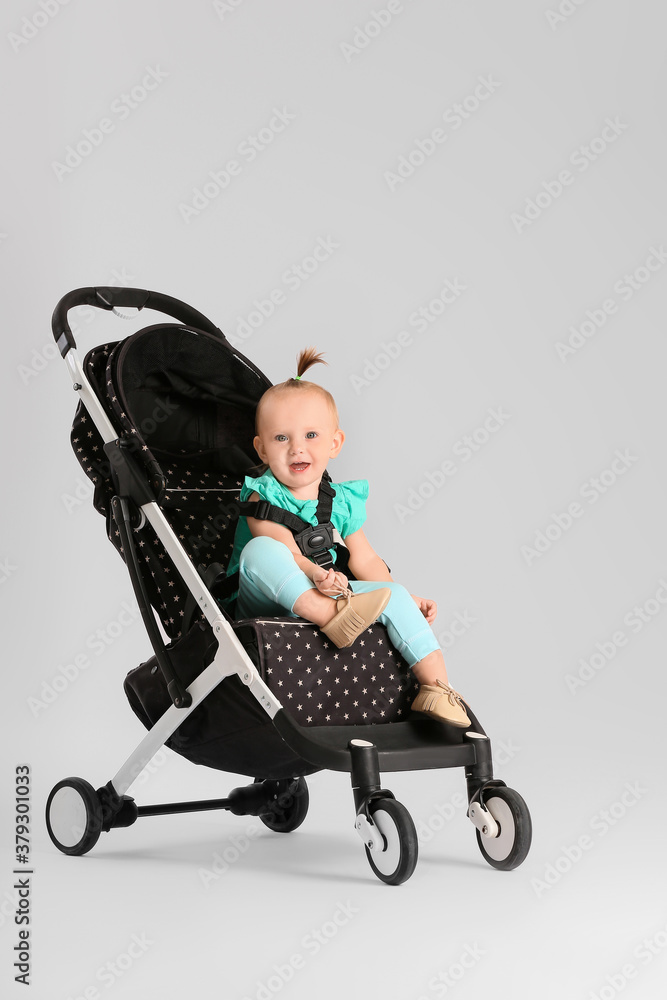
(329, 582)
(428, 608)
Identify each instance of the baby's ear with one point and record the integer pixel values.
(339, 438)
(257, 445)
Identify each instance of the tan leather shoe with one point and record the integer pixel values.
(441, 702)
(355, 613)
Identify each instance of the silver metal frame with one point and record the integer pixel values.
(229, 648)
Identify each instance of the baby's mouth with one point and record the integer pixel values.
(299, 466)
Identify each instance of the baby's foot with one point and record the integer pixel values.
(440, 701)
(354, 613)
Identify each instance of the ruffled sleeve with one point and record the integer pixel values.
(350, 502)
(263, 485)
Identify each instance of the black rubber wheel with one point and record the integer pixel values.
(287, 804)
(74, 816)
(509, 848)
(398, 859)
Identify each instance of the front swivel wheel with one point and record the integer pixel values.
(396, 860)
(509, 846)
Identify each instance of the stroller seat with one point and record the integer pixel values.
(164, 429)
(182, 434)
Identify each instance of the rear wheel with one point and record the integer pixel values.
(74, 816)
(396, 862)
(287, 804)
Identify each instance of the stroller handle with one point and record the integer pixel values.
(110, 297)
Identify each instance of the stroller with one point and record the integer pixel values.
(164, 429)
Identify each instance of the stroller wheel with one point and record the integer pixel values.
(287, 804)
(396, 862)
(509, 848)
(74, 816)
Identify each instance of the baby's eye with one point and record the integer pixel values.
(311, 434)
(281, 437)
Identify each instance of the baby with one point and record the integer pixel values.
(297, 433)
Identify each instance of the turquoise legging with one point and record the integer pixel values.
(270, 582)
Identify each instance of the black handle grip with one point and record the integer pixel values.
(112, 297)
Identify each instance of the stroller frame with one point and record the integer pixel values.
(76, 813)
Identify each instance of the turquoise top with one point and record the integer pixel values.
(348, 509)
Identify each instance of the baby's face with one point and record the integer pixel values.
(297, 437)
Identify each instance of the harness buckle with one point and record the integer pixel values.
(315, 539)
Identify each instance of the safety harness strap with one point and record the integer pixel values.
(263, 510)
(314, 541)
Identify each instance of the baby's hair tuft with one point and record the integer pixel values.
(306, 359)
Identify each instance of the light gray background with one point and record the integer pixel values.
(115, 218)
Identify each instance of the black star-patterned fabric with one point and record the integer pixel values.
(198, 496)
(365, 684)
(362, 684)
